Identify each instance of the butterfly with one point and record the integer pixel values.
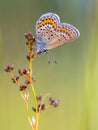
(51, 33)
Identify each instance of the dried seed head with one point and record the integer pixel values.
(30, 56)
(9, 68)
(43, 107)
(26, 70)
(33, 109)
(27, 82)
(54, 102)
(23, 87)
(39, 98)
(30, 42)
(15, 79)
(20, 72)
(30, 39)
(29, 36)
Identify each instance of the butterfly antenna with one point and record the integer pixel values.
(54, 59)
(49, 57)
(55, 62)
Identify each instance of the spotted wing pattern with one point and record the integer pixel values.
(51, 32)
(64, 34)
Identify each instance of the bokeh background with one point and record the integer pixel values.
(74, 80)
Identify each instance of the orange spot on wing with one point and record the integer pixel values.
(47, 21)
(64, 30)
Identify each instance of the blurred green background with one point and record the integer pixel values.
(74, 80)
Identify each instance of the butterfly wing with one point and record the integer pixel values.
(64, 34)
(46, 27)
(50, 33)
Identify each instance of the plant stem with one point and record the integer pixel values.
(28, 114)
(34, 94)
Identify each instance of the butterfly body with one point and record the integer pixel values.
(41, 47)
(51, 33)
